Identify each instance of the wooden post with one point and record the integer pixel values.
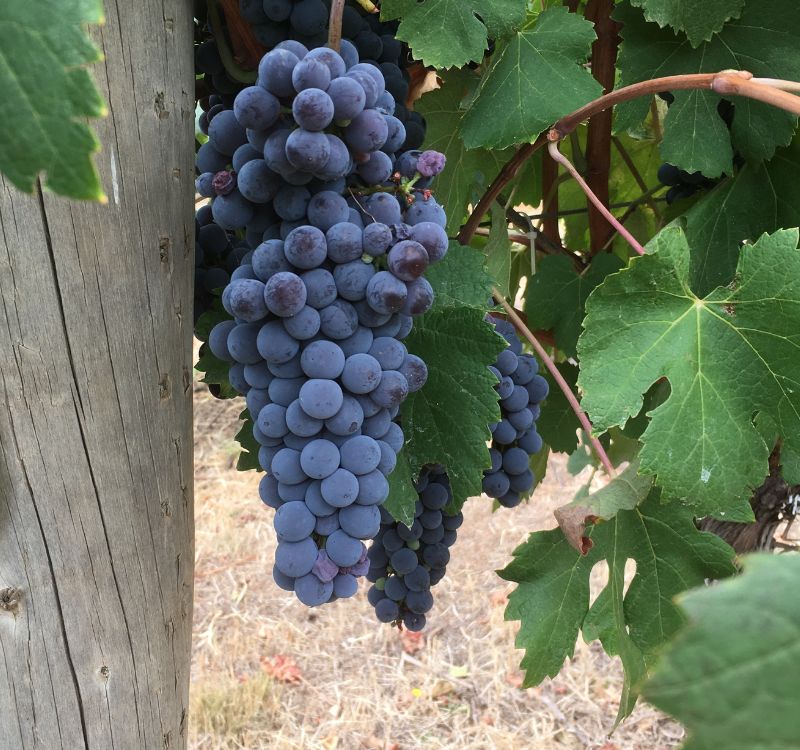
(96, 536)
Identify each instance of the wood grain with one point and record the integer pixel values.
(96, 528)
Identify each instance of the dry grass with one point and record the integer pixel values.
(355, 684)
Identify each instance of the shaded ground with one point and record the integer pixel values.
(270, 673)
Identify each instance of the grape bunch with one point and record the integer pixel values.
(682, 184)
(320, 306)
(405, 563)
(217, 254)
(514, 438)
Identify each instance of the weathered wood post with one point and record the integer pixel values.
(96, 539)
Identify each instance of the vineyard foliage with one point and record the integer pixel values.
(685, 359)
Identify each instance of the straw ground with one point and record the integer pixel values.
(270, 673)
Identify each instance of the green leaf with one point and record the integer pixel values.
(248, 458)
(581, 457)
(451, 33)
(727, 357)
(552, 598)
(534, 79)
(625, 492)
(47, 94)
(698, 19)
(215, 372)
(498, 250)
(402, 495)
(557, 424)
(731, 674)
(711, 154)
(468, 173)
(538, 466)
(763, 40)
(447, 421)
(556, 296)
(730, 214)
(460, 279)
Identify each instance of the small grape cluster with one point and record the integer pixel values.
(321, 305)
(514, 438)
(682, 184)
(406, 562)
(217, 254)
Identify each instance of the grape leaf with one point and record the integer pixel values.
(248, 457)
(215, 371)
(551, 600)
(557, 293)
(460, 279)
(534, 79)
(698, 19)
(762, 40)
(731, 674)
(557, 424)
(47, 93)
(402, 495)
(728, 215)
(498, 250)
(538, 466)
(624, 493)
(447, 421)
(727, 357)
(451, 33)
(468, 173)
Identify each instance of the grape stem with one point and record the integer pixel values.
(725, 83)
(368, 6)
(234, 70)
(335, 25)
(609, 217)
(559, 378)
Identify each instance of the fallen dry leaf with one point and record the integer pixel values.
(515, 679)
(412, 642)
(281, 668)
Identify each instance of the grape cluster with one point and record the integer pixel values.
(285, 25)
(682, 184)
(320, 306)
(405, 563)
(514, 438)
(217, 254)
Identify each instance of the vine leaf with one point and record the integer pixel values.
(248, 457)
(451, 33)
(762, 40)
(728, 215)
(468, 173)
(557, 424)
(557, 293)
(498, 250)
(551, 600)
(736, 687)
(448, 420)
(402, 494)
(47, 93)
(624, 493)
(534, 79)
(215, 371)
(727, 357)
(698, 19)
(460, 279)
